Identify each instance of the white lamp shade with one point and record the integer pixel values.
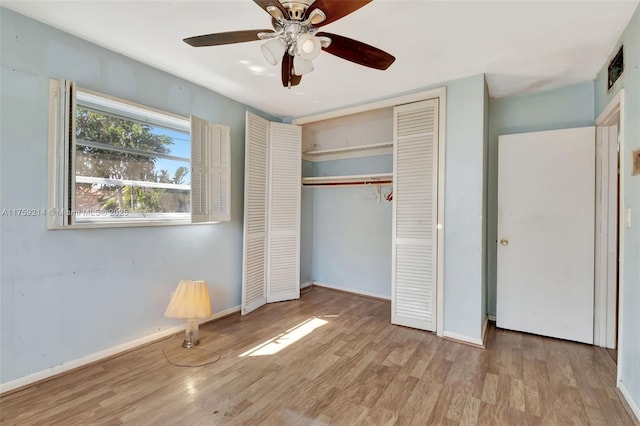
(301, 66)
(309, 46)
(273, 50)
(190, 300)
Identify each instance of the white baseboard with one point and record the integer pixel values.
(464, 339)
(352, 290)
(633, 404)
(67, 366)
(491, 317)
(307, 284)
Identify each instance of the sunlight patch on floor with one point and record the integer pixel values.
(278, 343)
(191, 389)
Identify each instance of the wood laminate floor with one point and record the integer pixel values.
(335, 360)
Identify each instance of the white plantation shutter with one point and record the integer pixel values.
(254, 267)
(415, 215)
(199, 172)
(283, 232)
(220, 173)
(210, 172)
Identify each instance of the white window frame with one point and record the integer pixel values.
(62, 147)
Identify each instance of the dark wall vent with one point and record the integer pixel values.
(615, 68)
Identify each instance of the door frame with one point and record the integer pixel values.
(614, 111)
(606, 220)
(440, 94)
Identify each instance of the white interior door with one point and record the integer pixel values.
(414, 238)
(546, 198)
(254, 266)
(283, 230)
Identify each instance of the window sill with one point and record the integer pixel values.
(122, 224)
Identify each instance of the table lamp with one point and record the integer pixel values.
(190, 301)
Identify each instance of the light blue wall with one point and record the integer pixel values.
(351, 230)
(463, 203)
(354, 166)
(68, 294)
(629, 335)
(567, 107)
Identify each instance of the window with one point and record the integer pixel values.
(114, 163)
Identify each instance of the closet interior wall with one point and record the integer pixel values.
(346, 229)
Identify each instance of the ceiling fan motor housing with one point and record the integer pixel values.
(296, 8)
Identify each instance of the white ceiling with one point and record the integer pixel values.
(521, 46)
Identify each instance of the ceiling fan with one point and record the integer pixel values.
(295, 37)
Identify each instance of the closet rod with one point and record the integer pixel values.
(359, 183)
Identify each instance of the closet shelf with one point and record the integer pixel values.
(349, 152)
(350, 180)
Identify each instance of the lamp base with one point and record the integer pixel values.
(191, 338)
(188, 343)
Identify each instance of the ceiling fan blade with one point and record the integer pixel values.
(267, 5)
(230, 37)
(287, 72)
(336, 9)
(358, 52)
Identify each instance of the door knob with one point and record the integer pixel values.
(504, 242)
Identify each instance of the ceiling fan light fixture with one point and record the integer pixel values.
(276, 13)
(302, 66)
(324, 41)
(309, 46)
(317, 16)
(273, 50)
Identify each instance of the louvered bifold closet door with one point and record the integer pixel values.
(415, 215)
(254, 267)
(283, 232)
